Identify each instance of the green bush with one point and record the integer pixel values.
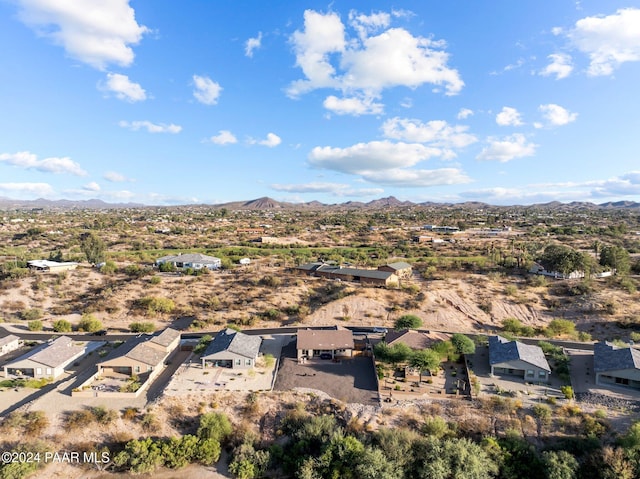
(142, 327)
(408, 321)
(62, 326)
(89, 323)
(35, 325)
(31, 314)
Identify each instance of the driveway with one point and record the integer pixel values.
(350, 380)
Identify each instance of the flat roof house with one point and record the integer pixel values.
(191, 260)
(232, 349)
(616, 366)
(518, 359)
(315, 342)
(50, 266)
(9, 343)
(47, 360)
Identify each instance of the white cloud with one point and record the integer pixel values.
(123, 88)
(609, 41)
(252, 44)
(271, 141)
(27, 160)
(555, 115)
(464, 113)
(30, 189)
(150, 127)
(417, 177)
(224, 137)
(372, 156)
(98, 33)
(335, 189)
(367, 64)
(353, 106)
(91, 186)
(435, 132)
(506, 149)
(560, 66)
(115, 177)
(206, 90)
(508, 117)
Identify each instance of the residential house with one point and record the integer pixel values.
(364, 276)
(337, 342)
(537, 268)
(400, 268)
(232, 349)
(518, 359)
(191, 260)
(51, 266)
(143, 354)
(9, 343)
(618, 366)
(47, 360)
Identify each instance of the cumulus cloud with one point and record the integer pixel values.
(386, 163)
(509, 117)
(252, 44)
(272, 140)
(224, 137)
(353, 106)
(436, 132)
(609, 41)
(555, 115)
(206, 90)
(150, 127)
(464, 113)
(91, 186)
(28, 189)
(334, 189)
(560, 66)
(507, 149)
(370, 61)
(95, 33)
(30, 161)
(115, 177)
(123, 88)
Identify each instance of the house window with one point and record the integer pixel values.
(238, 362)
(137, 369)
(542, 374)
(38, 371)
(530, 373)
(247, 362)
(48, 371)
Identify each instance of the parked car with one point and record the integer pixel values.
(325, 356)
(380, 330)
(102, 332)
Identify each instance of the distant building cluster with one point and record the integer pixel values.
(383, 276)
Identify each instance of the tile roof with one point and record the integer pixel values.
(502, 350)
(54, 353)
(166, 337)
(136, 349)
(324, 339)
(235, 342)
(607, 357)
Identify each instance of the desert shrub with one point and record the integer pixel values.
(89, 323)
(560, 327)
(271, 281)
(142, 327)
(31, 314)
(154, 305)
(79, 420)
(62, 326)
(35, 325)
(214, 426)
(149, 422)
(155, 280)
(103, 415)
(129, 413)
(510, 290)
(568, 392)
(108, 268)
(408, 321)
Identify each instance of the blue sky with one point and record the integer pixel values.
(162, 102)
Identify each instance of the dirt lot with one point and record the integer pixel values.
(350, 380)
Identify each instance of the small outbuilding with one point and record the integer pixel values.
(232, 349)
(518, 359)
(9, 343)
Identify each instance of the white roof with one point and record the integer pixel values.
(45, 263)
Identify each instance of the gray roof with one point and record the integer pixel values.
(338, 338)
(340, 271)
(189, 258)
(234, 342)
(399, 265)
(8, 339)
(136, 349)
(607, 357)
(502, 350)
(55, 353)
(166, 337)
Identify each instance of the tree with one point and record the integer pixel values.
(559, 464)
(425, 360)
(93, 248)
(463, 344)
(62, 326)
(215, 426)
(542, 413)
(408, 321)
(616, 257)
